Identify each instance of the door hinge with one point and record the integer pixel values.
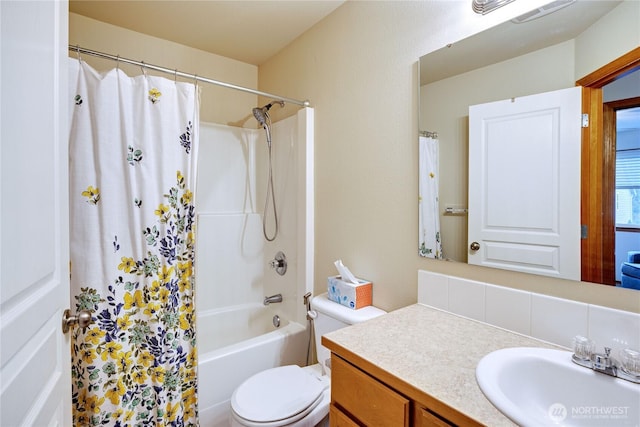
(585, 120)
(584, 231)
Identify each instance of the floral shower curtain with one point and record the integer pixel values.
(429, 215)
(133, 148)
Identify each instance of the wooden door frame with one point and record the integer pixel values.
(598, 181)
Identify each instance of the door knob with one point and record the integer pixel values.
(82, 319)
(474, 246)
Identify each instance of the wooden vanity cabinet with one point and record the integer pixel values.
(359, 398)
(364, 399)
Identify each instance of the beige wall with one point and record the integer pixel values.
(217, 104)
(615, 34)
(358, 68)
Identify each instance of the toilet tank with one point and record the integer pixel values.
(333, 316)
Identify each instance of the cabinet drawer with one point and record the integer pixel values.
(426, 418)
(365, 399)
(337, 418)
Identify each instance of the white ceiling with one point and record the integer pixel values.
(250, 31)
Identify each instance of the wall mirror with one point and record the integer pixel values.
(513, 59)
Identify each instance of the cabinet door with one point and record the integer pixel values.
(367, 400)
(337, 418)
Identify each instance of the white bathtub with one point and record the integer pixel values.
(235, 343)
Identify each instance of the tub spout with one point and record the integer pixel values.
(272, 299)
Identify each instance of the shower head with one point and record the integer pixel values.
(262, 113)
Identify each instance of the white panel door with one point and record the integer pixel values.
(524, 184)
(35, 374)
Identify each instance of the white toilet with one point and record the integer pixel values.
(291, 395)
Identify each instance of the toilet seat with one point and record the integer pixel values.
(277, 396)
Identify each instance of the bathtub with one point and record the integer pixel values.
(235, 343)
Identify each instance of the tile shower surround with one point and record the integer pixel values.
(547, 318)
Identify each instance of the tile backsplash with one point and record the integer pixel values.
(547, 318)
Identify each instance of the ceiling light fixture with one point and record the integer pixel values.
(486, 6)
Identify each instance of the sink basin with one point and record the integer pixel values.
(540, 387)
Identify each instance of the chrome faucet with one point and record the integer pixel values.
(272, 299)
(604, 363)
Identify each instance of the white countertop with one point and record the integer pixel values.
(434, 351)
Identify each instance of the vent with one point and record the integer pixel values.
(486, 6)
(542, 11)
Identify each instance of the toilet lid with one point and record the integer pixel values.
(276, 394)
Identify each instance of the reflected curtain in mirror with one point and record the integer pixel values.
(429, 218)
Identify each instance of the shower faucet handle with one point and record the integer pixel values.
(275, 263)
(279, 263)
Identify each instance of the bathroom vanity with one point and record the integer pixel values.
(414, 367)
(358, 395)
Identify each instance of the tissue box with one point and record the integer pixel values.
(349, 294)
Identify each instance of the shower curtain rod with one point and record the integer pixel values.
(81, 50)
